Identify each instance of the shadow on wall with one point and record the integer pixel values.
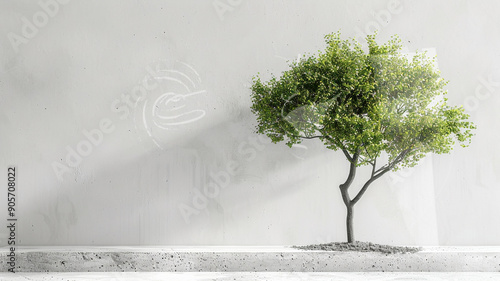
(139, 201)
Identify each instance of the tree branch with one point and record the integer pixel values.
(398, 159)
(365, 186)
(374, 164)
(311, 137)
(342, 147)
(352, 170)
(382, 170)
(352, 173)
(366, 150)
(349, 157)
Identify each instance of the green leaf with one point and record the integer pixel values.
(369, 103)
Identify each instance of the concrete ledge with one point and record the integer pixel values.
(248, 259)
(253, 276)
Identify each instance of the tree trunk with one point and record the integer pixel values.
(349, 220)
(344, 190)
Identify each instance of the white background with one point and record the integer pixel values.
(66, 67)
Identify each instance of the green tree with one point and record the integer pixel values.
(374, 105)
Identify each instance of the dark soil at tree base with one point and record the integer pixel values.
(359, 247)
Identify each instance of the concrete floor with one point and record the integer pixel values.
(249, 259)
(253, 276)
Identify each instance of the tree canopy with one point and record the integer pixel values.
(364, 103)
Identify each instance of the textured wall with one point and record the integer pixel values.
(129, 124)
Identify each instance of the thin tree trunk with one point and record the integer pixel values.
(344, 189)
(349, 220)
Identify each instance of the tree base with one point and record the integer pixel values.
(358, 246)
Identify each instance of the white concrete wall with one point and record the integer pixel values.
(68, 69)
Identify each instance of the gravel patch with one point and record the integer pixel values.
(359, 246)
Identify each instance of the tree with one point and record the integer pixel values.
(375, 106)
